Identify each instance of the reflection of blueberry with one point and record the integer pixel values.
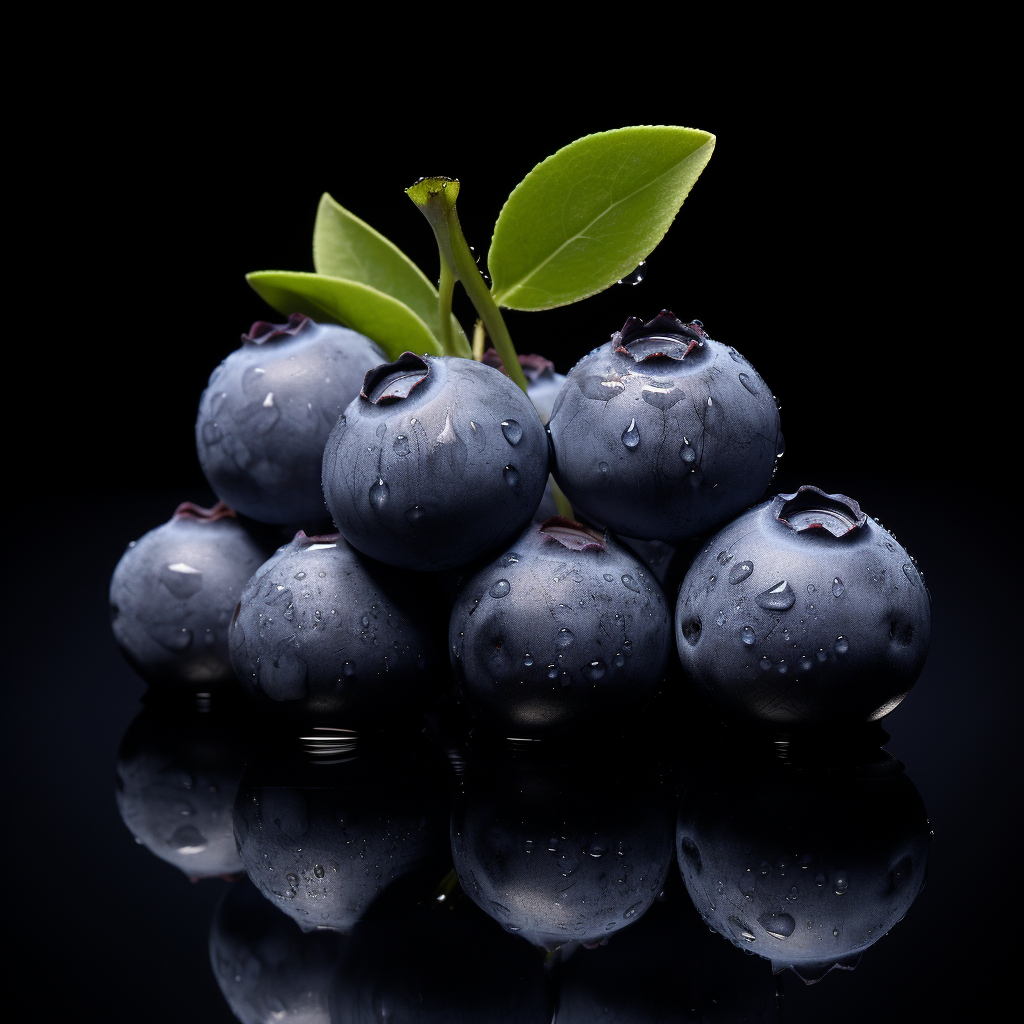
(266, 414)
(322, 836)
(562, 850)
(565, 632)
(173, 593)
(266, 967)
(802, 612)
(177, 772)
(321, 635)
(437, 461)
(662, 433)
(805, 857)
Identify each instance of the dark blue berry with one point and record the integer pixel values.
(803, 612)
(663, 433)
(566, 632)
(436, 462)
(268, 410)
(322, 635)
(174, 591)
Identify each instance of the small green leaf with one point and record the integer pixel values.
(385, 320)
(345, 246)
(585, 217)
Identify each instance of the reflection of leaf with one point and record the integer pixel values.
(587, 216)
(345, 246)
(388, 322)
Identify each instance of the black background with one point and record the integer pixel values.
(813, 242)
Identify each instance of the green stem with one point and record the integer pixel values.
(479, 337)
(445, 290)
(480, 296)
(561, 501)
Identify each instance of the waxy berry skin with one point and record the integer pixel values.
(566, 632)
(320, 636)
(437, 461)
(268, 410)
(174, 590)
(803, 612)
(662, 433)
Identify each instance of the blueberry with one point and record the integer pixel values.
(662, 433)
(173, 593)
(565, 632)
(807, 859)
(803, 612)
(320, 635)
(266, 414)
(437, 461)
(543, 383)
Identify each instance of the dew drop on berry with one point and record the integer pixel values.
(500, 589)
(631, 436)
(747, 635)
(740, 572)
(686, 452)
(512, 430)
(778, 598)
(842, 645)
(838, 588)
(511, 475)
(401, 445)
(746, 382)
(379, 495)
(564, 638)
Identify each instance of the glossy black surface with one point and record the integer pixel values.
(816, 301)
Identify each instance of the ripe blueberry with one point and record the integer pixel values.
(173, 593)
(266, 414)
(565, 632)
(803, 612)
(662, 433)
(437, 461)
(319, 635)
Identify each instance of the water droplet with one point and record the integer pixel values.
(348, 668)
(289, 612)
(597, 849)
(564, 638)
(512, 431)
(528, 660)
(778, 925)
(738, 573)
(631, 436)
(634, 277)
(630, 584)
(603, 467)
(595, 671)
(415, 514)
(911, 573)
(379, 495)
(318, 870)
(778, 598)
(609, 578)
(747, 633)
(401, 444)
(842, 883)
(552, 672)
(835, 933)
(837, 587)
(292, 879)
(710, 402)
(782, 667)
(500, 589)
(511, 475)
(619, 660)
(806, 664)
(765, 663)
(747, 383)
(686, 452)
(842, 645)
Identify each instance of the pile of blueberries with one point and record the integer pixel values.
(798, 613)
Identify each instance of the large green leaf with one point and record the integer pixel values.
(390, 323)
(587, 216)
(345, 246)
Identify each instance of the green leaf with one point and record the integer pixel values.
(385, 320)
(585, 217)
(346, 247)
